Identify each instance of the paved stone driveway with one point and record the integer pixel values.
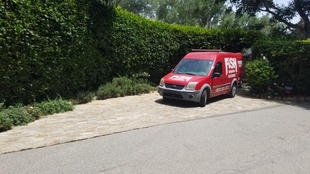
(103, 117)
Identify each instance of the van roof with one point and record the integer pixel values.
(201, 55)
(208, 55)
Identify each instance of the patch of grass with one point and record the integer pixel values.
(123, 86)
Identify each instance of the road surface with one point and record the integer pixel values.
(270, 140)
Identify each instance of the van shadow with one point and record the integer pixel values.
(187, 104)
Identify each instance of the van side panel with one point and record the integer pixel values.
(221, 84)
(231, 70)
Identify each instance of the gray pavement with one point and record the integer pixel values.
(104, 117)
(265, 141)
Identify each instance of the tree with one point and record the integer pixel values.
(140, 7)
(204, 13)
(264, 24)
(280, 13)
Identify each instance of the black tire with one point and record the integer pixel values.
(233, 91)
(203, 99)
(166, 99)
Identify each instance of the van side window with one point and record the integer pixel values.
(218, 68)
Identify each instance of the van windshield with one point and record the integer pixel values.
(197, 67)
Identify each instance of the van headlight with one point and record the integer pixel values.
(162, 82)
(191, 86)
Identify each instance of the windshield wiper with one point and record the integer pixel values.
(190, 74)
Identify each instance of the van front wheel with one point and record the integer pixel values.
(203, 99)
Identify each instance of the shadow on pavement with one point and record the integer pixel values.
(298, 102)
(187, 104)
(289, 100)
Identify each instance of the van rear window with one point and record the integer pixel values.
(199, 67)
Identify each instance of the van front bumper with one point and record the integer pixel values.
(188, 95)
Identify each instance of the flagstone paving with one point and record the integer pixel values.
(104, 117)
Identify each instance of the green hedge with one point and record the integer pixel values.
(136, 45)
(291, 62)
(47, 50)
(52, 48)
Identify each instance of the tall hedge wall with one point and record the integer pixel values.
(51, 48)
(136, 45)
(47, 49)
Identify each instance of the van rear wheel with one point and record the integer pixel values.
(233, 91)
(203, 99)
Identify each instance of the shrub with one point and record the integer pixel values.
(290, 60)
(34, 111)
(105, 91)
(123, 86)
(5, 122)
(260, 75)
(84, 97)
(21, 115)
(54, 106)
(17, 115)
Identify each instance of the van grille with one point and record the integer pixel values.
(173, 86)
(179, 96)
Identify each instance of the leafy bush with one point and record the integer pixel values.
(54, 106)
(35, 112)
(5, 122)
(291, 61)
(260, 75)
(18, 115)
(123, 86)
(21, 115)
(84, 97)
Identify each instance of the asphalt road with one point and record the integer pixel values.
(271, 140)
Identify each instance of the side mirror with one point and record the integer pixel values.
(216, 74)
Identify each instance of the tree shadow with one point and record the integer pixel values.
(304, 105)
(292, 100)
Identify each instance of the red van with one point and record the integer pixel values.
(203, 74)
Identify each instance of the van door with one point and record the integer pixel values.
(219, 80)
